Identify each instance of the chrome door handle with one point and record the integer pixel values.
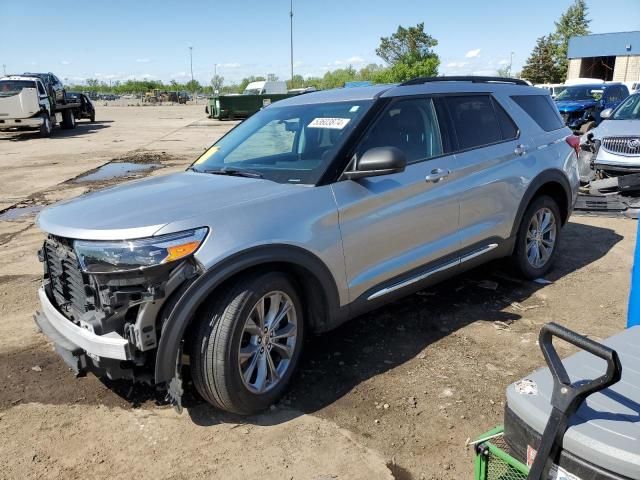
(521, 149)
(437, 174)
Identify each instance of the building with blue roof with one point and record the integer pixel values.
(607, 56)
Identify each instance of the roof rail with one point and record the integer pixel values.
(465, 78)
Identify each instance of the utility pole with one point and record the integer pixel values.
(291, 28)
(4, 68)
(195, 97)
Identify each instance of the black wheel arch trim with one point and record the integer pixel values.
(544, 178)
(178, 320)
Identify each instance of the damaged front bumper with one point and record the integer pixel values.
(72, 337)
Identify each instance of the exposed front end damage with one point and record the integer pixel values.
(610, 175)
(106, 323)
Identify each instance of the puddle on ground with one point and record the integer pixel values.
(17, 213)
(114, 170)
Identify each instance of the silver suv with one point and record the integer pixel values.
(316, 209)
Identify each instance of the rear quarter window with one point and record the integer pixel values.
(541, 109)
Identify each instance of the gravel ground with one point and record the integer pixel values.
(395, 393)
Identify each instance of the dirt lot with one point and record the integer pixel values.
(393, 394)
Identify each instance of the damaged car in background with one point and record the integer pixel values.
(610, 162)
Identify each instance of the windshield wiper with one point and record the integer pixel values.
(232, 171)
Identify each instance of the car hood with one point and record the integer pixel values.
(140, 209)
(567, 106)
(617, 128)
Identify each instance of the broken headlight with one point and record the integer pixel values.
(129, 255)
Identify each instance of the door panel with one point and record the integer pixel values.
(494, 190)
(490, 164)
(396, 223)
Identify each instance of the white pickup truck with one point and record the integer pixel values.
(25, 105)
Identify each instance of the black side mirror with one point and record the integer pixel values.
(378, 161)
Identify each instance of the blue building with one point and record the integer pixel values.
(607, 56)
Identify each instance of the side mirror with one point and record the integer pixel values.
(606, 113)
(378, 161)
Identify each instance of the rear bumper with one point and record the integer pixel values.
(71, 337)
(33, 122)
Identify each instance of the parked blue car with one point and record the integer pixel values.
(580, 105)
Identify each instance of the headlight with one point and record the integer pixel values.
(128, 255)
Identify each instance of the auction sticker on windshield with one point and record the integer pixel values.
(329, 122)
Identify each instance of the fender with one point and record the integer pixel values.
(174, 328)
(548, 176)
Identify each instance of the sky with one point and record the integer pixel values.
(120, 40)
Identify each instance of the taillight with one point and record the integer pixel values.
(574, 142)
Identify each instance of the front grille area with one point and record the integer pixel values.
(69, 285)
(623, 145)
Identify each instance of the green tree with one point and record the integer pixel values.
(216, 83)
(296, 82)
(541, 65)
(504, 71)
(409, 54)
(573, 22)
(191, 86)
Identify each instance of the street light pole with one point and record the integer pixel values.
(195, 98)
(4, 68)
(291, 28)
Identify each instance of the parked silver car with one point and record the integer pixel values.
(619, 137)
(316, 209)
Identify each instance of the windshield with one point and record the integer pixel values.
(628, 110)
(9, 88)
(252, 91)
(581, 92)
(291, 144)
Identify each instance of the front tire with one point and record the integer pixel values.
(538, 238)
(248, 344)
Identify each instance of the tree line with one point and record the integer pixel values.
(407, 53)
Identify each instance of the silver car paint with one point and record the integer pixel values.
(617, 128)
(365, 231)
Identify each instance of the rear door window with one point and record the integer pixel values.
(475, 120)
(541, 109)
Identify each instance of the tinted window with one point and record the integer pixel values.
(615, 94)
(475, 121)
(9, 88)
(410, 125)
(507, 127)
(541, 109)
(41, 89)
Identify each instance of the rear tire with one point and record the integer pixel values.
(46, 127)
(248, 343)
(538, 238)
(68, 119)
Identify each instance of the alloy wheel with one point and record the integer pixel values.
(267, 342)
(541, 237)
